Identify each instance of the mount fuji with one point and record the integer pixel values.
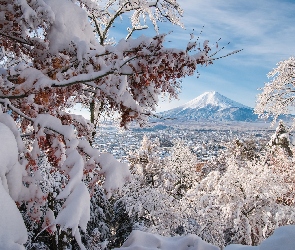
(211, 106)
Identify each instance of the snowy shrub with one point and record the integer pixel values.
(240, 205)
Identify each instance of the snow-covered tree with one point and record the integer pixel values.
(244, 149)
(57, 53)
(147, 160)
(98, 228)
(151, 208)
(242, 204)
(277, 97)
(281, 138)
(180, 172)
(154, 204)
(145, 203)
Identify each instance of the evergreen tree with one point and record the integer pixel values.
(281, 138)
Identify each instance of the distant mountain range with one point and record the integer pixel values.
(211, 106)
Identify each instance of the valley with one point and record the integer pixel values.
(204, 139)
(207, 124)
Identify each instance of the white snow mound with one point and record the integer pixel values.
(139, 240)
(13, 232)
(283, 238)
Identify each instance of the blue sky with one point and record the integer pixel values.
(264, 29)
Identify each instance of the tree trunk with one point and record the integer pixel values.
(92, 120)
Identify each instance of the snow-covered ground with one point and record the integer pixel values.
(282, 239)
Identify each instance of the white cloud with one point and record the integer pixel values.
(262, 28)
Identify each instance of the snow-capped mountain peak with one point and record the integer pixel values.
(214, 99)
(211, 106)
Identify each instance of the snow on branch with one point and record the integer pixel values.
(277, 97)
(56, 54)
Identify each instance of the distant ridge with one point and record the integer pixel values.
(211, 106)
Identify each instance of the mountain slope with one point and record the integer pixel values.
(212, 98)
(211, 106)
